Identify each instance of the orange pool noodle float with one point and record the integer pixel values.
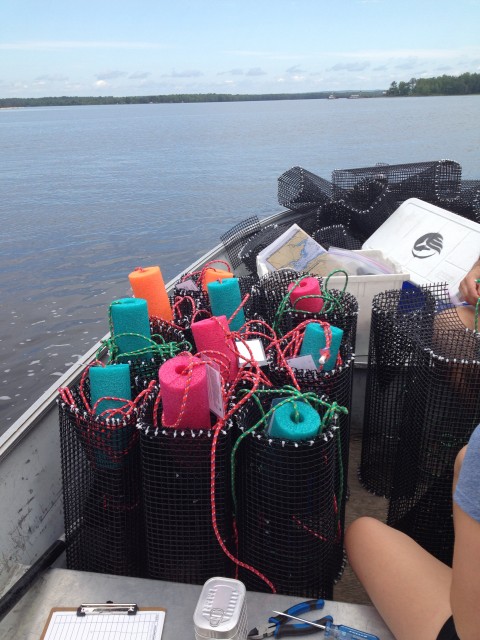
(147, 283)
(212, 275)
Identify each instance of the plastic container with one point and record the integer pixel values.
(364, 288)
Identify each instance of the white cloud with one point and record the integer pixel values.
(52, 78)
(349, 66)
(231, 72)
(110, 75)
(256, 71)
(296, 69)
(140, 76)
(188, 73)
(101, 84)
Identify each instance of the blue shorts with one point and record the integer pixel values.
(448, 631)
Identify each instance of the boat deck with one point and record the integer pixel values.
(65, 588)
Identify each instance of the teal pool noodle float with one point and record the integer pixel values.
(294, 420)
(314, 340)
(225, 298)
(111, 380)
(130, 315)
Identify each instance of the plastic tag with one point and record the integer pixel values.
(188, 285)
(214, 385)
(302, 362)
(256, 350)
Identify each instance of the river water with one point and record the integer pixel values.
(89, 193)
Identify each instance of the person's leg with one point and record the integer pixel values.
(408, 586)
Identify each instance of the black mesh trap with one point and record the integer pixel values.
(372, 204)
(256, 243)
(300, 189)
(234, 239)
(176, 464)
(422, 180)
(103, 514)
(167, 341)
(193, 306)
(270, 302)
(441, 410)
(336, 385)
(397, 317)
(287, 513)
(337, 235)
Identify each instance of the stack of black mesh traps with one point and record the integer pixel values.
(422, 404)
(181, 505)
(345, 210)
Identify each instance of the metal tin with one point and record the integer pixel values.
(221, 610)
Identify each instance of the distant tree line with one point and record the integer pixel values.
(467, 83)
(174, 98)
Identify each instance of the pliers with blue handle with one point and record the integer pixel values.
(278, 628)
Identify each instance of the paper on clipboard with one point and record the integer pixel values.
(64, 624)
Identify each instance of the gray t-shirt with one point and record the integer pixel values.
(467, 492)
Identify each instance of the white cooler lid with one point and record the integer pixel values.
(432, 244)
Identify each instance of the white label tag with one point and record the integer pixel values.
(188, 285)
(215, 385)
(256, 350)
(302, 362)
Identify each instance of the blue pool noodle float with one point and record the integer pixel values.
(283, 423)
(111, 380)
(130, 315)
(314, 341)
(225, 298)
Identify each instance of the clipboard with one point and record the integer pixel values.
(106, 621)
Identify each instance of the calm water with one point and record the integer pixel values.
(89, 193)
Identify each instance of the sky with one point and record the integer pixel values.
(150, 47)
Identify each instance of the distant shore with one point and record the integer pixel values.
(61, 101)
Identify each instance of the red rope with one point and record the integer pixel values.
(229, 555)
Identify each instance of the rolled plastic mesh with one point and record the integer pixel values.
(337, 385)
(441, 411)
(437, 178)
(101, 492)
(287, 516)
(234, 239)
(337, 235)
(300, 189)
(397, 317)
(249, 252)
(372, 204)
(341, 310)
(180, 540)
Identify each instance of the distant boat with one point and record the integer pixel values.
(332, 97)
(354, 95)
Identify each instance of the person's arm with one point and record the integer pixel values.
(469, 288)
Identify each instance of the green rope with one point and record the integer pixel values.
(332, 410)
(331, 302)
(341, 478)
(156, 346)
